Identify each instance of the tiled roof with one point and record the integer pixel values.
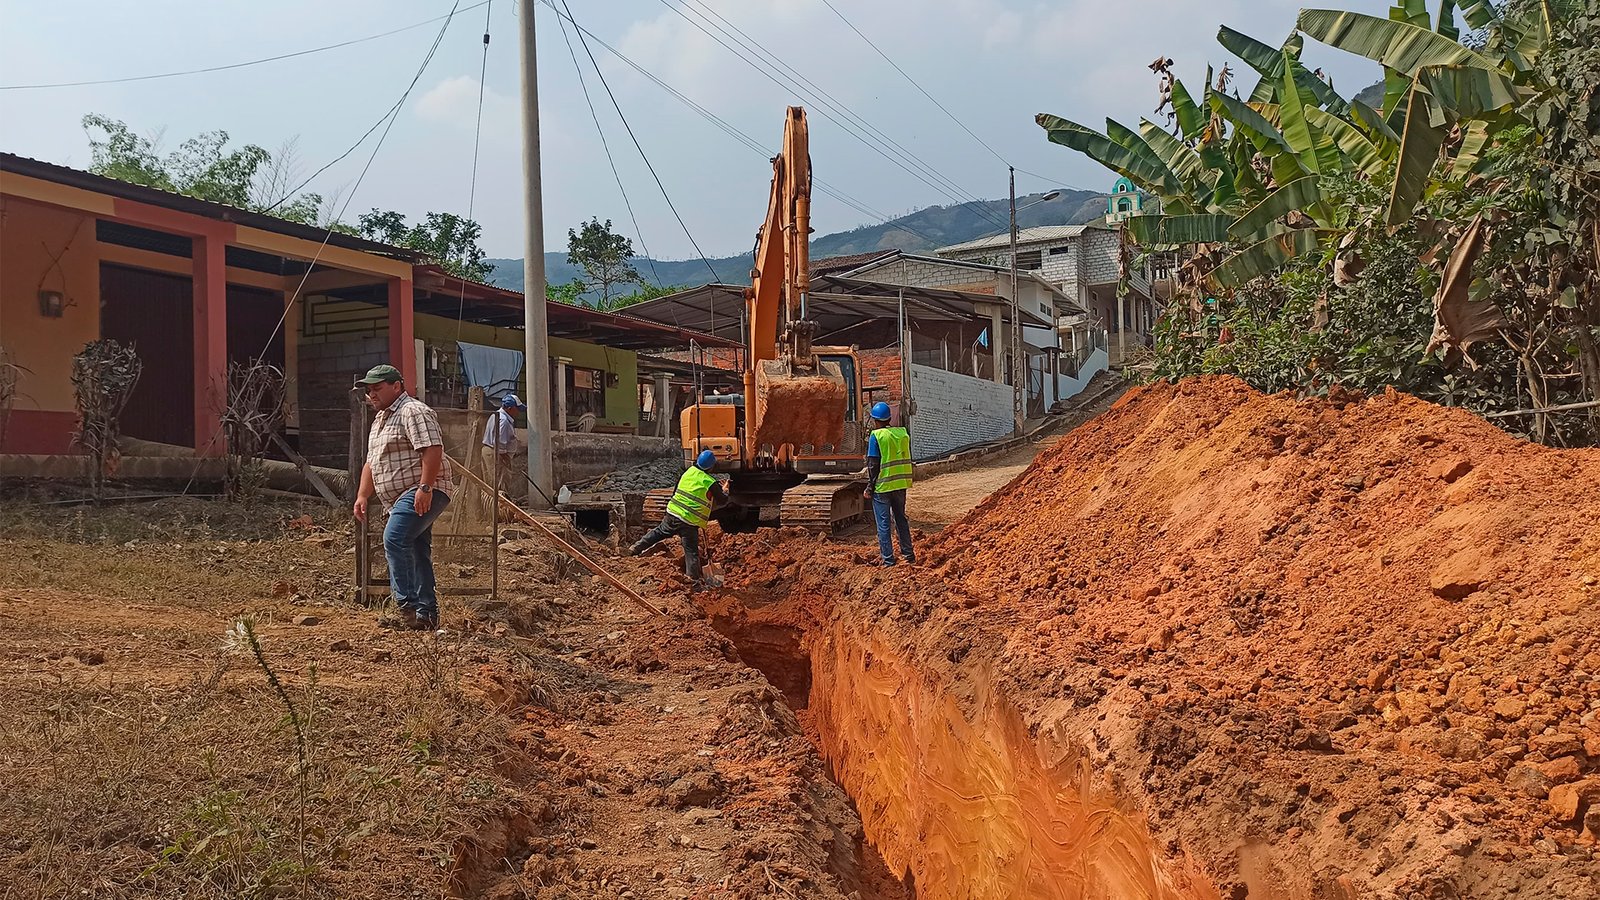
(832, 264)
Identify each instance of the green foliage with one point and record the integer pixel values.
(445, 238)
(1342, 219)
(604, 256)
(252, 178)
(645, 292)
(570, 293)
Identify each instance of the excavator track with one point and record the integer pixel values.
(824, 506)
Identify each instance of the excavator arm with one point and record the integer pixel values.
(792, 397)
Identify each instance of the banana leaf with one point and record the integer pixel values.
(1296, 195)
(1201, 228)
(1269, 63)
(1262, 133)
(1447, 20)
(1103, 150)
(1401, 46)
(1473, 141)
(1260, 258)
(1424, 134)
(1480, 14)
(1469, 92)
(1129, 140)
(1414, 12)
(1372, 122)
(1357, 148)
(1191, 121)
(1317, 152)
(1179, 157)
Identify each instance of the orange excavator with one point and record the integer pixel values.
(793, 442)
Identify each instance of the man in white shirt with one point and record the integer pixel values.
(500, 443)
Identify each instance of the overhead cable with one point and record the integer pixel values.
(872, 132)
(584, 84)
(733, 132)
(638, 146)
(931, 98)
(390, 116)
(238, 65)
(755, 58)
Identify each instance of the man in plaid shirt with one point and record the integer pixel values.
(407, 471)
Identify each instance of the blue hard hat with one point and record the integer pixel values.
(880, 411)
(706, 460)
(510, 401)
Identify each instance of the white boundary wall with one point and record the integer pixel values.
(956, 411)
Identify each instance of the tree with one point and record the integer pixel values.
(445, 238)
(603, 254)
(570, 293)
(255, 179)
(645, 292)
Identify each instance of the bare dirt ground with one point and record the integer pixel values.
(552, 744)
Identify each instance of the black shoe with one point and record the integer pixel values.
(425, 621)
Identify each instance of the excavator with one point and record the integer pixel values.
(793, 441)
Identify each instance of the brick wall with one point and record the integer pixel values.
(956, 411)
(881, 368)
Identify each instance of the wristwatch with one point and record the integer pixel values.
(425, 488)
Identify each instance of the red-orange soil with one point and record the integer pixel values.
(1216, 644)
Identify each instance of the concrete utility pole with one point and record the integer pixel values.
(536, 339)
(1016, 354)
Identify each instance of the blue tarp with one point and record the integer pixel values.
(495, 369)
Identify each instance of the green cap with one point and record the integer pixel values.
(380, 374)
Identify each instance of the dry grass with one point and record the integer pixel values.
(150, 754)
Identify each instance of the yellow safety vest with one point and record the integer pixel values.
(691, 502)
(894, 456)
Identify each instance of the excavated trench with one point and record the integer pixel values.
(954, 793)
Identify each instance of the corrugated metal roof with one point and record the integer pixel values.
(34, 168)
(1039, 234)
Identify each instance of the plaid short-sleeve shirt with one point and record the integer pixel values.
(394, 449)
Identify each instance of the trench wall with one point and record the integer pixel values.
(952, 788)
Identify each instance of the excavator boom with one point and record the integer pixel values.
(794, 399)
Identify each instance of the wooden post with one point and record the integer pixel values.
(471, 454)
(356, 459)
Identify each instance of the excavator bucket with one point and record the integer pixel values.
(799, 409)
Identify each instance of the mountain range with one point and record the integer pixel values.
(921, 231)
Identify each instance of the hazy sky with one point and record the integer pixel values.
(993, 63)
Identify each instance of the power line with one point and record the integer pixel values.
(638, 146)
(733, 132)
(477, 138)
(239, 65)
(584, 84)
(949, 185)
(932, 99)
(757, 51)
(391, 116)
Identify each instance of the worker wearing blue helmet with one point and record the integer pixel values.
(696, 495)
(888, 479)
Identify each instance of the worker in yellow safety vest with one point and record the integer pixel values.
(888, 478)
(696, 495)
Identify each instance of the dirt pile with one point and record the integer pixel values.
(1221, 644)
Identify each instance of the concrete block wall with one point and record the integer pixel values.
(925, 274)
(322, 393)
(955, 411)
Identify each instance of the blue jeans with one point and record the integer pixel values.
(408, 544)
(884, 507)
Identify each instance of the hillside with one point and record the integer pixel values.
(919, 232)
